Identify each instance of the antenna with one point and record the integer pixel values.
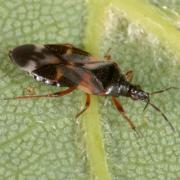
(163, 90)
(165, 118)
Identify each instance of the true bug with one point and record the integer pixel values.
(64, 65)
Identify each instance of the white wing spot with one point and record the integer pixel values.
(38, 48)
(31, 66)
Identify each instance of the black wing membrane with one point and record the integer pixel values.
(69, 75)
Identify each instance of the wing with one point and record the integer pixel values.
(68, 52)
(65, 65)
(68, 75)
(92, 78)
(30, 57)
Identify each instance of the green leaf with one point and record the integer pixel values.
(40, 139)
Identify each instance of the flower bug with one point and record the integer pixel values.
(64, 65)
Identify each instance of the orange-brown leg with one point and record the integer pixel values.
(129, 75)
(123, 113)
(107, 56)
(88, 100)
(57, 94)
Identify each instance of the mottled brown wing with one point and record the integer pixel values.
(30, 57)
(69, 75)
(69, 52)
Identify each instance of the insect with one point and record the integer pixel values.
(64, 65)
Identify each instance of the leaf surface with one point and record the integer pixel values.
(40, 139)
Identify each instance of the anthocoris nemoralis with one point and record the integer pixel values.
(64, 65)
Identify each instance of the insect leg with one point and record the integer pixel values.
(86, 105)
(129, 75)
(107, 56)
(57, 94)
(123, 113)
